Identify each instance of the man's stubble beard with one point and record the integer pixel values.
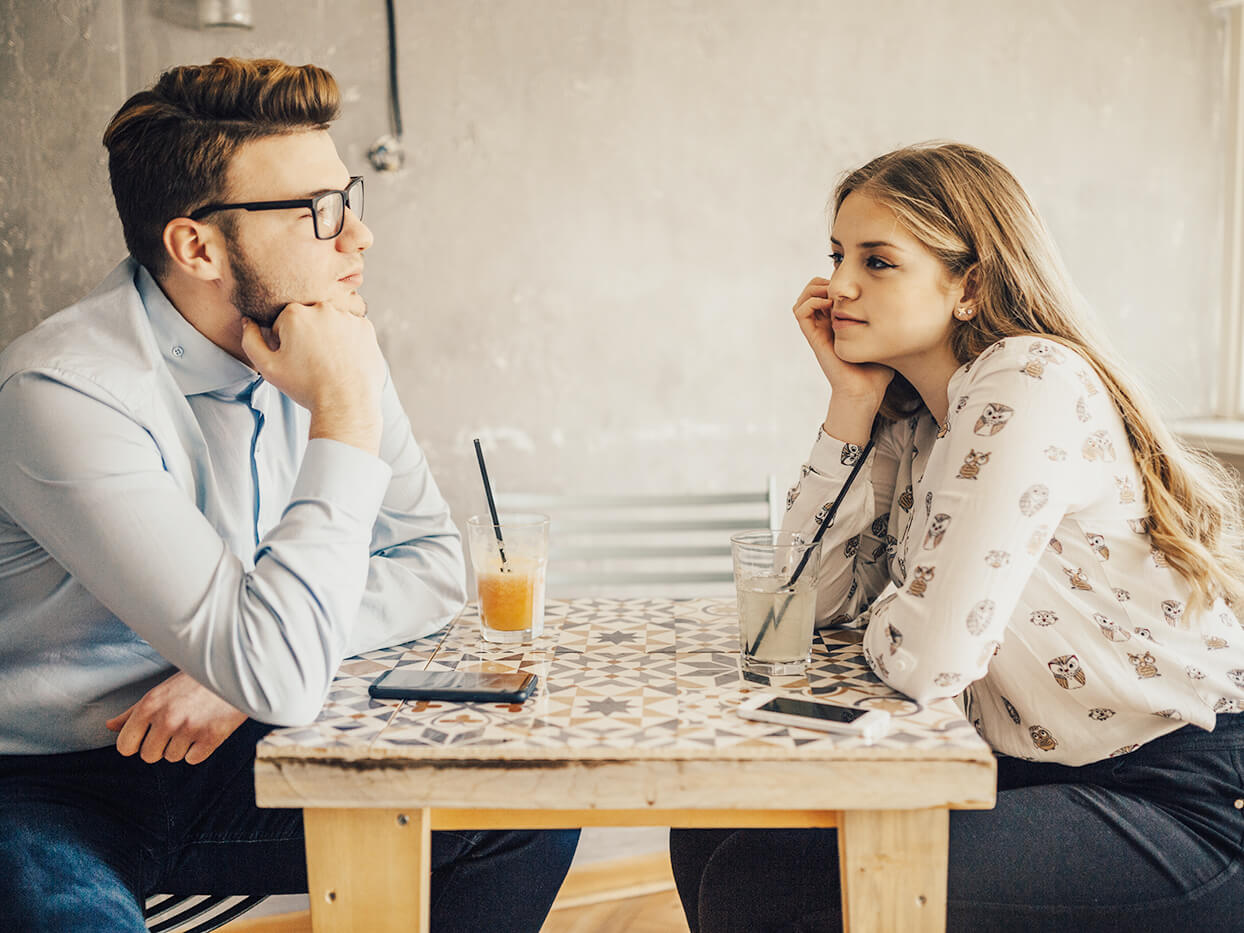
(251, 295)
(254, 298)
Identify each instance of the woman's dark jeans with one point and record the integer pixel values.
(86, 836)
(1146, 841)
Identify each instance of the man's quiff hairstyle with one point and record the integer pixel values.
(169, 147)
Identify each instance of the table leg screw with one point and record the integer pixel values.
(402, 819)
(330, 896)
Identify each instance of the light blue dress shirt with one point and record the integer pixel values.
(161, 507)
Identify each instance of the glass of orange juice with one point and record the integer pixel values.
(509, 558)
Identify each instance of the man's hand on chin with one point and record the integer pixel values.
(176, 720)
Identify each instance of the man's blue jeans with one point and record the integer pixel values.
(86, 836)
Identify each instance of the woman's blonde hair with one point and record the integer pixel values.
(975, 217)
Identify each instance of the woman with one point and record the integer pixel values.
(1026, 537)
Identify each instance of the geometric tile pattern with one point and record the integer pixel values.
(641, 677)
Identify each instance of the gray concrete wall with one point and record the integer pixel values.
(609, 207)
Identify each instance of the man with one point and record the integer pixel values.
(206, 473)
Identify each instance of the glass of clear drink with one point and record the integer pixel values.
(775, 580)
(509, 575)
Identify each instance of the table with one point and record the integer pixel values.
(633, 724)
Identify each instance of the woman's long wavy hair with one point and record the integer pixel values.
(975, 217)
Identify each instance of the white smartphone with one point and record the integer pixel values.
(867, 724)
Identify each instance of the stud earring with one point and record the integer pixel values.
(963, 313)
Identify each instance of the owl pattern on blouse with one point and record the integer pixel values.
(1146, 666)
(1098, 544)
(1172, 610)
(1042, 739)
(1011, 711)
(920, 578)
(1127, 495)
(906, 500)
(936, 531)
(997, 559)
(1039, 355)
(1034, 499)
(1102, 651)
(1068, 672)
(1077, 578)
(992, 419)
(1043, 617)
(980, 616)
(1098, 446)
(1111, 629)
(972, 464)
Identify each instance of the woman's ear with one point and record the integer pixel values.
(965, 292)
(969, 285)
(194, 248)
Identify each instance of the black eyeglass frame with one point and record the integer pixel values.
(356, 181)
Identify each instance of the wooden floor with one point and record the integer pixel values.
(652, 913)
(624, 895)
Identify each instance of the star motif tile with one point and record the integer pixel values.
(616, 676)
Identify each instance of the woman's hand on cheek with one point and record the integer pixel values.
(863, 381)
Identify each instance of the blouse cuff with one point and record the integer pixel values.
(833, 457)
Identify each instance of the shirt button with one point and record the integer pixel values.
(178, 351)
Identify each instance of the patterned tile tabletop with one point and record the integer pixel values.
(634, 678)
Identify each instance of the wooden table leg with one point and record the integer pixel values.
(368, 871)
(893, 869)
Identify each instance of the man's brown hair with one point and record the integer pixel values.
(169, 147)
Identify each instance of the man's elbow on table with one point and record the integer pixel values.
(287, 707)
(279, 684)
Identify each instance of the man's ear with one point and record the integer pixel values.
(195, 248)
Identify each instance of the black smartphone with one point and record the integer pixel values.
(408, 684)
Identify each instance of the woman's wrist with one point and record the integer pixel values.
(851, 419)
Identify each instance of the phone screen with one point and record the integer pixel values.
(453, 680)
(810, 710)
(407, 684)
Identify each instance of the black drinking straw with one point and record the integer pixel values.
(492, 506)
(820, 533)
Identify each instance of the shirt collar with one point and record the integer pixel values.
(197, 364)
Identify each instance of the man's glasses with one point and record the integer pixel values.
(328, 210)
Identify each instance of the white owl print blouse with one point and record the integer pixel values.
(1007, 563)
